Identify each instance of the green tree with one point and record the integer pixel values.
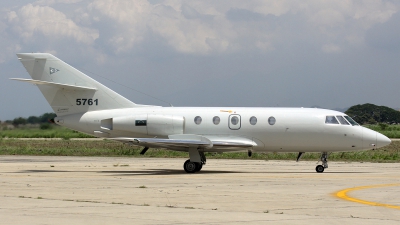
(33, 119)
(370, 113)
(383, 126)
(46, 117)
(18, 121)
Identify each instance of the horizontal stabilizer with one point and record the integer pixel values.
(58, 85)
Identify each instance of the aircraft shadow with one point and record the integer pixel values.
(44, 171)
(163, 172)
(178, 172)
(128, 172)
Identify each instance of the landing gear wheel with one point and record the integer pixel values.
(199, 166)
(319, 169)
(190, 167)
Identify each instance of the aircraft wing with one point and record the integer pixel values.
(183, 142)
(163, 143)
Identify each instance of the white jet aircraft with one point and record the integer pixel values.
(85, 105)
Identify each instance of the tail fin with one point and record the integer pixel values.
(66, 89)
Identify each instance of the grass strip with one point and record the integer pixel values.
(390, 153)
(55, 132)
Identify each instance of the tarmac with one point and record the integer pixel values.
(121, 190)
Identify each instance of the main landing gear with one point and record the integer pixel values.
(196, 161)
(192, 167)
(321, 168)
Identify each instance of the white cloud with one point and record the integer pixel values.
(328, 17)
(45, 20)
(203, 28)
(188, 36)
(130, 17)
(331, 48)
(12, 16)
(372, 12)
(45, 2)
(51, 2)
(136, 19)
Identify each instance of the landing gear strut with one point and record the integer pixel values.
(196, 161)
(321, 168)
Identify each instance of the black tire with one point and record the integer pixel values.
(199, 166)
(190, 167)
(319, 169)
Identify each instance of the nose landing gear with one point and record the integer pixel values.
(321, 168)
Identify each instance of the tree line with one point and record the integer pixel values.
(373, 114)
(44, 118)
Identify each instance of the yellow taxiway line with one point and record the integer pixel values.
(343, 195)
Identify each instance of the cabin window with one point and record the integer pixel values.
(253, 120)
(197, 120)
(216, 120)
(331, 120)
(234, 120)
(271, 120)
(354, 123)
(342, 120)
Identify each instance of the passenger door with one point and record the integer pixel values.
(234, 122)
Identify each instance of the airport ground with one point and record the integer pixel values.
(122, 190)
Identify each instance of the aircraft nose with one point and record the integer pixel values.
(373, 139)
(382, 140)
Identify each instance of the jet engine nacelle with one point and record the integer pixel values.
(149, 124)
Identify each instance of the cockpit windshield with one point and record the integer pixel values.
(342, 120)
(331, 120)
(354, 123)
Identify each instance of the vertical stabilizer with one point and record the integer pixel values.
(66, 89)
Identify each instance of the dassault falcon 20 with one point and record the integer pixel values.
(85, 105)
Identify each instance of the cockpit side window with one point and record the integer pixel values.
(342, 120)
(354, 123)
(331, 120)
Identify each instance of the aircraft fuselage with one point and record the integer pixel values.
(273, 129)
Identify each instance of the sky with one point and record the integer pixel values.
(282, 53)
